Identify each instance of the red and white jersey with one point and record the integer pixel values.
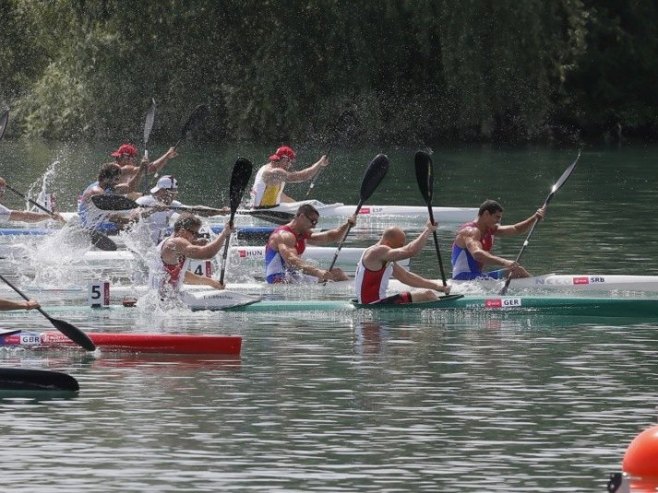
(170, 277)
(371, 285)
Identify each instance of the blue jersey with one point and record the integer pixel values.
(464, 266)
(93, 218)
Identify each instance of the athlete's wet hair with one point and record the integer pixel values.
(490, 206)
(306, 209)
(109, 170)
(187, 221)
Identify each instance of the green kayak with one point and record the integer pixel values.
(548, 305)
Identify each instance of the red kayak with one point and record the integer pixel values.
(139, 343)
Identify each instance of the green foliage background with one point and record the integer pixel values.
(418, 71)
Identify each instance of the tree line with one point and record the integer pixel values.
(393, 71)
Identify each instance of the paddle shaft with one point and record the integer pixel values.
(225, 252)
(347, 231)
(239, 178)
(315, 177)
(148, 126)
(425, 178)
(37, 204)
(98, 239)
(436, 245)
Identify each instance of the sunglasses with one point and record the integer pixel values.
(197, 234)
(313, 222)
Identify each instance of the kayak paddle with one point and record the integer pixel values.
(98, 239)
(69, 330)
(122, 203)
(239, 179)
(558, 184)
(19, 379)
(425, 178)
(339, 122)
(196, 117)
(148, 126)
(3, 123)
(373, 176)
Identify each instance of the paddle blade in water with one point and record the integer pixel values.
(72, 332)
(373, 176)
(29, 379)
(4, 119)
(113, 202)
(102, 242)
(424, 175)
(239, 179)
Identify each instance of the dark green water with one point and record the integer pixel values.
(336, 402)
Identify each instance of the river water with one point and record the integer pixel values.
(340, 402)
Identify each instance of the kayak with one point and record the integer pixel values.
(19, 379)
(243, 232)
(246, 260)
(561, 283)
(644, 308)
(340, 210)
(567, 282)
(243, 254)
(545, 305)
(141, 343)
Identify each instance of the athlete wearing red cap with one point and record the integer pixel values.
(273, 176)
(127, 157)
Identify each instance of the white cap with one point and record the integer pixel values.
(166, 182)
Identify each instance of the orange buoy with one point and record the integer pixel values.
(641, 458)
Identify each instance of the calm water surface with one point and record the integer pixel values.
(340, 402)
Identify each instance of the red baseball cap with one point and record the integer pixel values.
(125, 150)
(283, 151)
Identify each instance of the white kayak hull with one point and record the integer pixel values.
(252, 256)
(338, 212)
(568, 282)
(338, 209)
(124, 266)
(560, 283)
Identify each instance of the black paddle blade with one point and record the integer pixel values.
(195, 118)
(239, 179)
(373, 176)
(148, 123)
(113, 202)
(28, 379)
(4, 119)
(101, 241)
(425, 175)
(276, 217)
(72, 332)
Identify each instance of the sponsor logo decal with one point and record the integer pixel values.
(495, 303)
(254, 252)
(365, 210)
(580, 281)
